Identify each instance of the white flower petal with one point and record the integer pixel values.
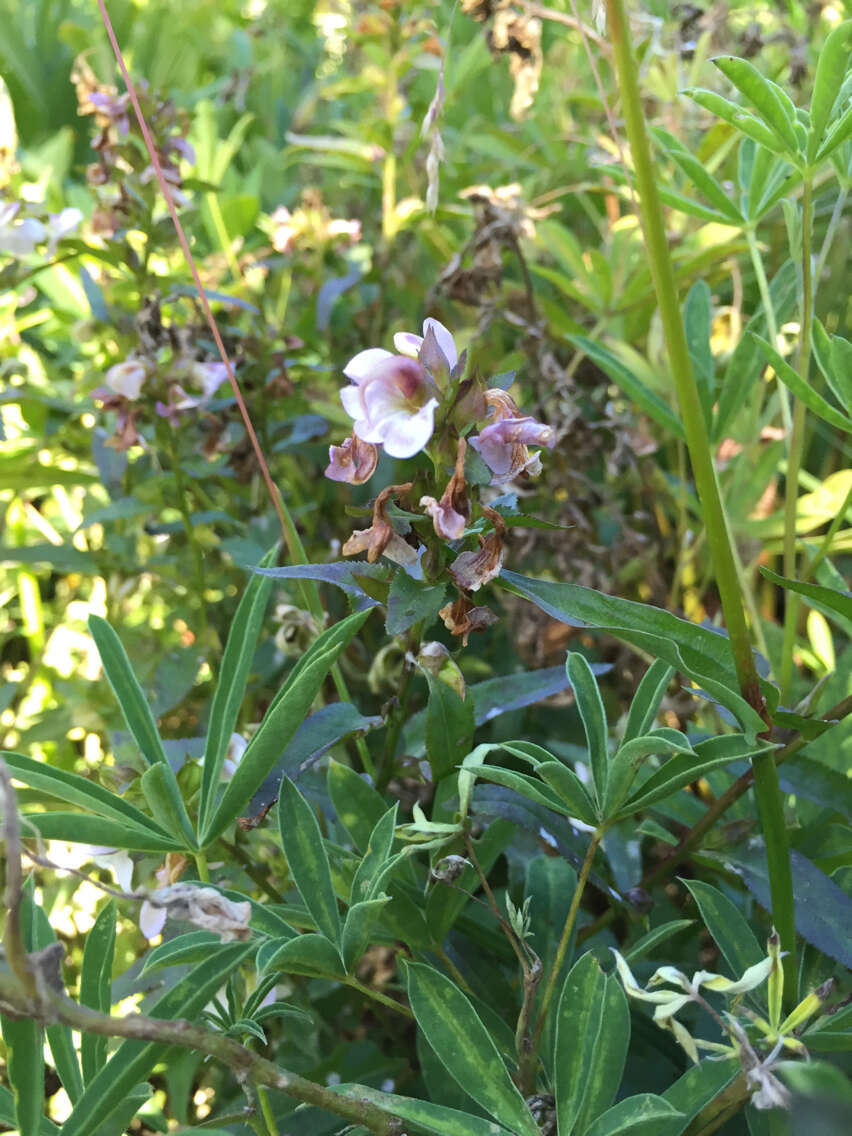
(360, 366)
(353, 404)
(152, 920)
(407, 434)
(407, 343)
(445, 340)
(117, 862)
(754, 976)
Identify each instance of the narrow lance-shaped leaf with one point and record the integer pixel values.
(591, 708)
(646, 701)
(230, 688)
(465, 1048)
(79, 828)
(642, 1115)
(24, 1040)
(697, 172)
(96, 986)
(803, 389)
(59, 1036)
(307, 859)
(832, 68)
(161, 790)
(740, 119)
(770, 101)
(821, 597)
(449, 727)
(128, 692)
(728, 926)
(288, 709)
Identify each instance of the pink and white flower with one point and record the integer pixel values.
(393, 397)
(209, 376)
(19, 238)
(392, 400)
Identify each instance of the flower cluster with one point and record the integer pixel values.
(418, 398)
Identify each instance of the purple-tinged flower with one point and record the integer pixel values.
(451, 513)
(392, 400)
(354, 462)
(127, 378)
(407, 343)
(503, 443)
(209, 376)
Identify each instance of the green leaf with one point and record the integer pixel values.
(529, 787)
(699, 1086)
(802, 389)
(434, 1119)
(358, 806)
(411, 601)
(59, 1036)
(646, 399)
(591, 708)
(128, 692)
(698, 320)
(770, 101)
(96, 986)
(307, 859)
(377, 852)
(832, 68)
(358, 928)
(464, 1046)
(652, 939)
(25, 1070)
(194, 946)
(702, 655)
(627, 761)
(740, 119)
(592, 1036)
(642, 1115)
(828, 600)
(449, 727)
(572, 792)
(288, 709)
(133, 1061)
(230, 688)
(684, 204)
(78, 828)
(680, 770)
(836, 137)
(834, 358)
(697, 173)
(47, 1127)
(310, 954)
(77, 790)
(745, 364)
(647, 699)
(728, 926)
(815, 781)
(161, 791)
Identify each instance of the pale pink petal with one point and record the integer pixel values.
(447, 522)
(407, 343)
(445, 340)
(152, 920)
(405, 434)
(352, 401)
(362, 365)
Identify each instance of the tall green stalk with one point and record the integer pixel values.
(767, 789)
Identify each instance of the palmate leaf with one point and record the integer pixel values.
(771, 102)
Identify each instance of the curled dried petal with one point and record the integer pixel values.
(354, 462)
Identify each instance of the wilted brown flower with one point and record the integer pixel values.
(462, 618)
(381, 539)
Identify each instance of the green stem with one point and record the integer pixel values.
(565, 939)
(797, 448)
(266, 1111)
(771, 321)
(768, 792)
(377, 996)
(201, 865)
(695, 427)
